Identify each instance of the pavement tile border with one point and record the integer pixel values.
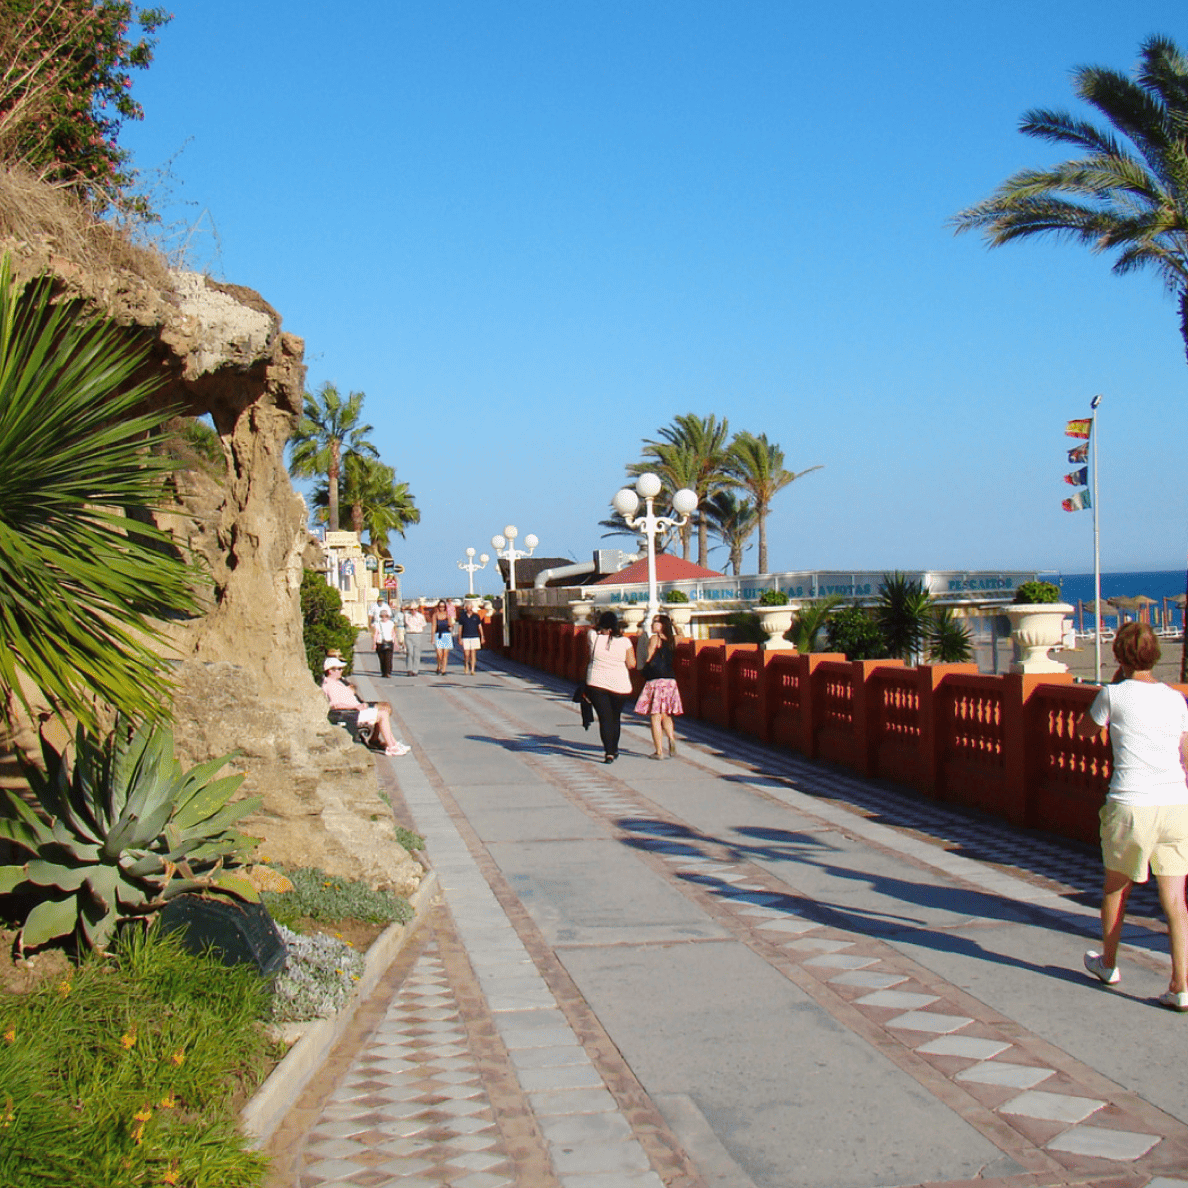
(647, 1123)
(1010, 1132)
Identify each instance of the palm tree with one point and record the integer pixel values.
(84, 572)
(903, 613)
(812, 621)
(676, 466)
(731, 520)
(757, 465)
(700, 446)
(375, 502)
(326, 434)
(1126, 195)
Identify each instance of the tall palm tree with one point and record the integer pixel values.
(757, 465)
(327, 433)
(84, 573)
(732, 521)
(677, 467)
(375, 502)
(1127, 196)
(701, 444)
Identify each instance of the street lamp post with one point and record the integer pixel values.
(626, 502)
(505, 547)
(471, 568)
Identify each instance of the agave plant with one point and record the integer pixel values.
(120, 834)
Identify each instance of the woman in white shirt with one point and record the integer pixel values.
(608, 680)
(1144, 821)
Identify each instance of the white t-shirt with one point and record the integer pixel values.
(1146, 720)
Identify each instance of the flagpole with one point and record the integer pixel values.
(1094, 404)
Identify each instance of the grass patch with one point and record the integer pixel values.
(130, 1071)
(328, 899)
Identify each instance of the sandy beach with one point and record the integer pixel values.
(1080, 661)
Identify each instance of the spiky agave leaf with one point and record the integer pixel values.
(81, 582)
(98, 865)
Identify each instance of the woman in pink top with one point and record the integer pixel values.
(1144, 822)
(608, 680)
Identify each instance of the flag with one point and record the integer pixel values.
(1079, 501)
(1079, 454)
(1079, 428)
(1078, 478)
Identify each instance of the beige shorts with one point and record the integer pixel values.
(470, 644)
(1135, 836)
(368, 715)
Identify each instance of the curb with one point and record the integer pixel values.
(266, 1110)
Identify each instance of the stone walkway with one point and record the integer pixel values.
(733, 969)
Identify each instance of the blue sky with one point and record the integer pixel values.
(534, 232)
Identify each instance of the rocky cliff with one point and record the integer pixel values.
(240, 672)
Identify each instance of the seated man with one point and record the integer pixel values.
(342, 696)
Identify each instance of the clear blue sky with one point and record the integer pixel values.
(534, 232)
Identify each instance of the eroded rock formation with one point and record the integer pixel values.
(241, 676)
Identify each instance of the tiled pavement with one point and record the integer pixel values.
(497, 1071)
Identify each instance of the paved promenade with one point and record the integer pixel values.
(731, 969)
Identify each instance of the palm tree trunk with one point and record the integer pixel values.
(332, 486)
(762, 516)
(702, 541)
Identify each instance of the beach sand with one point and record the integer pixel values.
(1080, 661)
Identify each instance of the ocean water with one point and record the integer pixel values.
(1158, 584)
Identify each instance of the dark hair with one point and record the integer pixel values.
(609, 621)
(667, 630)
(1136, 647)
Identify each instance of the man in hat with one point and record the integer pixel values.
(384, 636)
(341, 696)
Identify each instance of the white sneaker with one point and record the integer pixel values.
(1098, 968)
(1177, 1000)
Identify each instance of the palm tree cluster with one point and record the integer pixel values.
(1127, 194)
(735, 480)
(356, 492)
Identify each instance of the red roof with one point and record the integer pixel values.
(668, 569)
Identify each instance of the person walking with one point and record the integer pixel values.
(384, 636)
(471, 625)
(608, 679)
(443, 636)
(414, 638)
(1144, 822)
(661, 699)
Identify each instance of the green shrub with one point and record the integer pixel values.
(326, 628)
(129, 1069)
(675, 596)
(853, 632)
(773, 598)
(1036, 592)
(948, 638)
(318, 979)
(327, 898)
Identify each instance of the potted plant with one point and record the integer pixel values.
(678, 608)
(775, 617)
(632, 613)
(1037, 623)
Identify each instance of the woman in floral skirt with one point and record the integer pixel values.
(661, 699)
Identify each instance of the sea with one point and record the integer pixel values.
(1157, 584)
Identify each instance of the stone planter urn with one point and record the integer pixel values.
(681, 614)
(1036, 627)
(632, 616)
(581, 610)
(775, 620)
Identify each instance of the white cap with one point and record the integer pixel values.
(333, 662)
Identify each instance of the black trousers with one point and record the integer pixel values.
(608, 706)
(384, 652)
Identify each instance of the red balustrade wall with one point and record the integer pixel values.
(1006, 745)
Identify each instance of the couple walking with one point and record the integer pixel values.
(608, 682)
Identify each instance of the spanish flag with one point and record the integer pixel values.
(1079, 428)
